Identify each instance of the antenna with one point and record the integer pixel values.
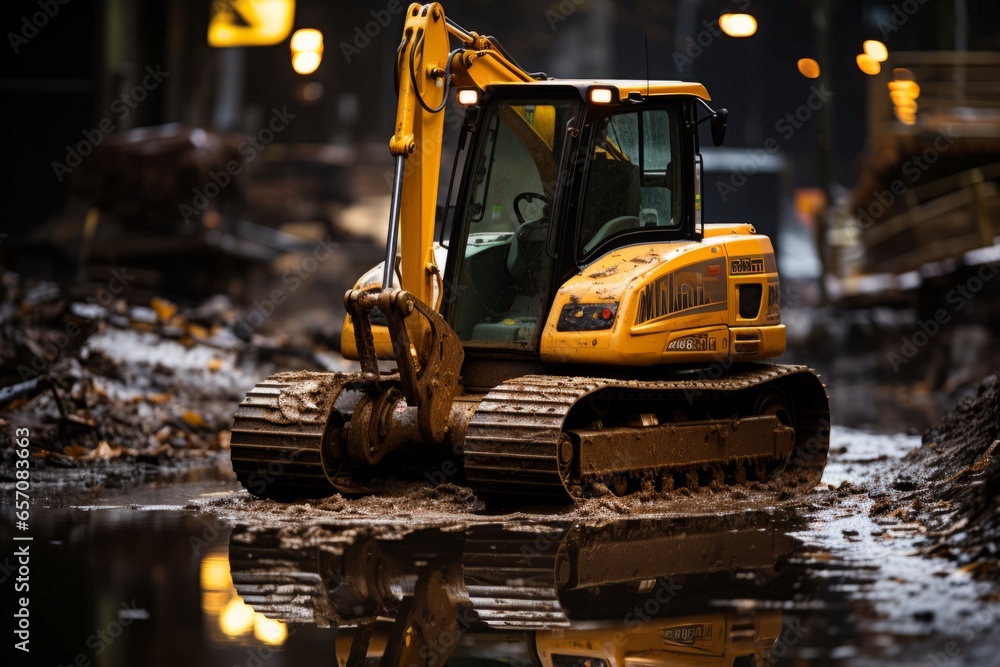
(645, 39)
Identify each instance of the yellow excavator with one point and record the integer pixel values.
(564, 324)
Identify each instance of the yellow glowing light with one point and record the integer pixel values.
(307, 50)
(900, 97)
(808, 68)
(868, 65)
(908, 88)
(250, 22)
(468, 97)
(876, 50)
(307, 39)
(237, 618)
(306, 62)
(269, 630)
(738, 25)
(600, 95)
(215, 573)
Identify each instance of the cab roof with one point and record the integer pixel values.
(624, 86)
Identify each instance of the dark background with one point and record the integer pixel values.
(65, 78)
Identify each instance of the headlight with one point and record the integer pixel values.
(587, 316)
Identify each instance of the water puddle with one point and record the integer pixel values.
(150, 578)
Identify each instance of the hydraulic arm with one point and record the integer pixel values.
(427, 353)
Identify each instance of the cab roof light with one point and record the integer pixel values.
(601, 95)
(468, 97)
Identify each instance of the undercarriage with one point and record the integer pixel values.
(536, 437)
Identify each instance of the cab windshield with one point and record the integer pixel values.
(633, 181)
(518, 157)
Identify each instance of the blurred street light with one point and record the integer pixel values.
(307, 50)
(269, 631)
(904, 94)
(738, 25)
(808, 68)
(868, 65)
(250, 22)
(908, 88)
(237, 618)
(876, 50)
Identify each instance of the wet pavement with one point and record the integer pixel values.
(200, 574)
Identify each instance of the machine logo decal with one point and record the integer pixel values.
(688, 290)
(742, 265)
(687, 635)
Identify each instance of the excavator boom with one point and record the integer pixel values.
(426, 70)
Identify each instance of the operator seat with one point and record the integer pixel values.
(612, 191)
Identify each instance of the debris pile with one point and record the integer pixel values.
(96, 383)
(952, 482)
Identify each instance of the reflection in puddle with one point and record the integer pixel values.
(227, 616)
(627, 592)
(150, 584)
(119, 587)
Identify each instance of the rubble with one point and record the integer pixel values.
(952, 483)
(122, 390)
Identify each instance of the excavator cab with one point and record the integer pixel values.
(551, 182)
(504, 221)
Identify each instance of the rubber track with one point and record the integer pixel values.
(510, 446)
(281, 584)
(278, 432)
(510, 578)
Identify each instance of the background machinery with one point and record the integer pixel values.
(564, 324)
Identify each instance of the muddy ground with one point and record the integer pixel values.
(118, 394)
(123, 399)
(951, 484)
(867, 583)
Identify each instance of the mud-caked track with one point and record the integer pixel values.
(552, 438)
